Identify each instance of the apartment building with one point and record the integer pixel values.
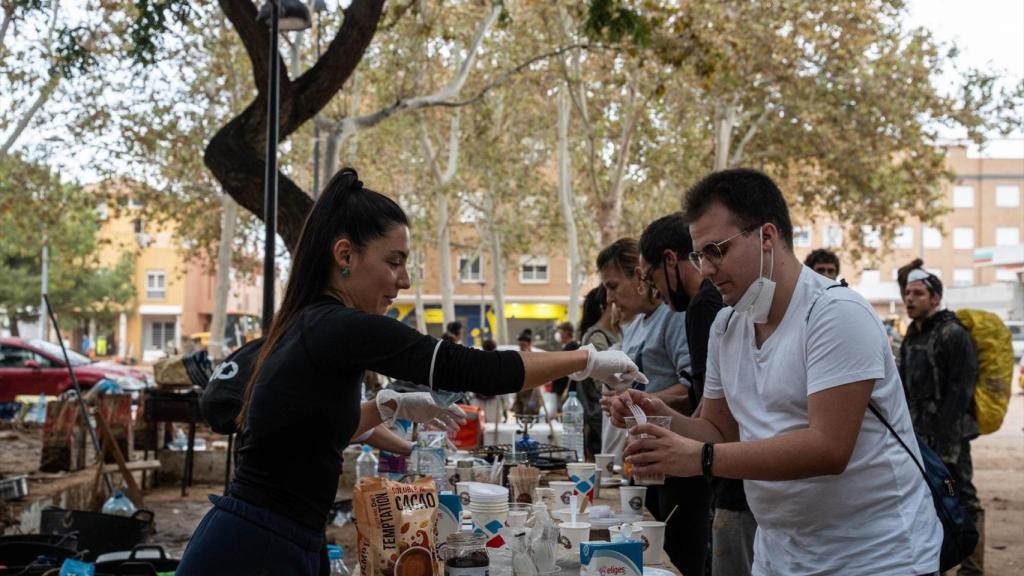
(174, 295)
(977, 248)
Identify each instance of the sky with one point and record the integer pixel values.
(989, 34)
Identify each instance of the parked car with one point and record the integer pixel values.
(36, 366)
(1017, 333)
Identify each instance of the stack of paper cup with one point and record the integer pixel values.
(584, 474)
(488, 504)
(563, 490)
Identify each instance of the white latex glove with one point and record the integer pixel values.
(611, 366)
(418, 407)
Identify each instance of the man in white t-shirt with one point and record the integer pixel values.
(793, 361)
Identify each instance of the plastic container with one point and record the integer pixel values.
(119, 505)
(572, 425)
(336, 558)
(366, 464)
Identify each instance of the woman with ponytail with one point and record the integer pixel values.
(302, 406)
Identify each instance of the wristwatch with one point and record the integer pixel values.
(707, 459)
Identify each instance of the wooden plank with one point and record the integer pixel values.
(135, 466)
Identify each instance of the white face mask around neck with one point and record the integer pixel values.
(757, 300)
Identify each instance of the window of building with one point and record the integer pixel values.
(904, 237)
(963, 197)
(160, 335)
(872, 238)
(870, 276)
(802, 237)
(533, 270)
(932, 237)
(156, 287)
(138, 226)
(470, 269)
(1007, 236)
(102, 211)
(963, 277)
(832, 236)
(1007, 196)
(1004, 275)
(963, 238)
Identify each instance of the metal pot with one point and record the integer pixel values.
(14, 488)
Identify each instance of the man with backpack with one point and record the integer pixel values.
(802, 401)
(939, 368)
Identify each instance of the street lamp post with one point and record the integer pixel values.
(319, 7)
(281, 15)
(483, 320)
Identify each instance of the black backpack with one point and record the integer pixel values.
(222, 397)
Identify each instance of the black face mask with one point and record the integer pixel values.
(678, 298)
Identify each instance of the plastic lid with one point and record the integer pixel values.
(480, 492)
(119, 494)
(367, 448)
(334, 552)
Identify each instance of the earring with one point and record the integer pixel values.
(344, 272)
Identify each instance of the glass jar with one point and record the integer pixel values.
(465, 554)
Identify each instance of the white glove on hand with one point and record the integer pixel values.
(418, 407)
(611, 366)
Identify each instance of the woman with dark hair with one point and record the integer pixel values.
(302, 406)
(597, 328)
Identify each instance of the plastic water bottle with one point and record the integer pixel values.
(572, 425)
(336, 557)
(429, 461)
(119, 505)
(180, 440)
(366, 464)
(38, 412)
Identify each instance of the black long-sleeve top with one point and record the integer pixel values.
(305, 404)
(938, 366)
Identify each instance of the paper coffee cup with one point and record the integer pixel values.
(631, 498)
(489, 523)
(570, 535)
(563, 491)
(584, 474)
(652, 536)
(606, 463)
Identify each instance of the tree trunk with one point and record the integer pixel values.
(235, 154)
(725, 119)
(566, 203)
(421, 320)
(444, 254)
(12, 319)
(217, 348)
(497, 269)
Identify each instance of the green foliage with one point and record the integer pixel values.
(153, 18)
(37, 209)
(611, 20)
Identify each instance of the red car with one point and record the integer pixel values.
(36, 366)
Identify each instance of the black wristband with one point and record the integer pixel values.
(707, 458)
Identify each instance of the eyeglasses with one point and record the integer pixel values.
(714, 252)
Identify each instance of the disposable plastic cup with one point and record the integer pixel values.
(652, 535)
(660, 421)
(632, 499)
(563, 491)
(570, 535)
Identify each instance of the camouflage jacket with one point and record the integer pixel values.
(938, 366)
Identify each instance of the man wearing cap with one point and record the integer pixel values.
(565, 338)
(938, 366)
